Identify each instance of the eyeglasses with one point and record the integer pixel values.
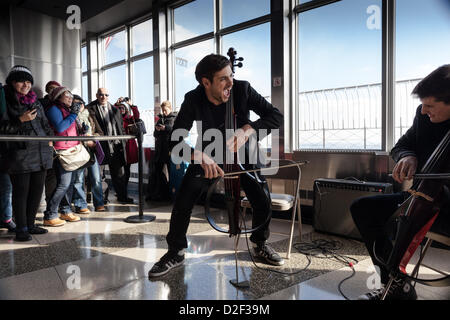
(103, 95)
(68, 95)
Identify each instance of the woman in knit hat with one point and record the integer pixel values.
(62, 117)
(28, 161)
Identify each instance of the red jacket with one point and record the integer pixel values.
(131, 147)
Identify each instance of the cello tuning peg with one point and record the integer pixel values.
(239, 65)
(240, 59)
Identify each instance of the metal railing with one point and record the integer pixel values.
(351, 117)
(131, 219)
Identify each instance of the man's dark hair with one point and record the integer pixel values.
(209, 65)
(436, 84)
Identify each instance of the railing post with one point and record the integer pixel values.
(140, 218)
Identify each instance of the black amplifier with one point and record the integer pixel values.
(332, 200)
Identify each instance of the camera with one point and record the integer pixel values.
(75, 108)
(126, 99)
(84, 128)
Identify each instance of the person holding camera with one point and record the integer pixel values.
(130, 114)
(26, 162)
(62, 117)
(87, 127)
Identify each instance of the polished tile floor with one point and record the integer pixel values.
(104, 257)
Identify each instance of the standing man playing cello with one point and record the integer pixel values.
(207, 104)
(431, 124)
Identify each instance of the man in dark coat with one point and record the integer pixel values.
(431, 124)
(110, 121)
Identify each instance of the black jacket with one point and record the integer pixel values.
(25, 157)
(197, 107)
(162, 137)
(113, 152)
(421, 139)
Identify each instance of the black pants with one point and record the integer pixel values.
(119, 178)
(158, 186)
(371, 214)
(191, 189)
(26, 197)
(50, 183)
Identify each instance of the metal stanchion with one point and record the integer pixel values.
(140, 218)
(132, 219)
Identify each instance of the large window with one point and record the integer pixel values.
(245, 26)
(237, 11)
(253, 44)
(127, 71)
(116, 83)
(84, 88)
(422, 45)
(193, 19)
(143, 95)
(339, 76)
(115, 47)
(186, 60)
(142, 38)
(84, 75)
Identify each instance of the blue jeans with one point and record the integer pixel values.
(64, 188)
(5, 197)
(95, 179)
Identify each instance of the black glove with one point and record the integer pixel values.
(75, 108)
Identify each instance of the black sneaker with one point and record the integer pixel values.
(11, 226)
(125, 200)
(267, 253)
(400, 289)
(23, 236)
(37, 230)
(170, 260)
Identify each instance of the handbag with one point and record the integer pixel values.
(74, 158)
(138, 126)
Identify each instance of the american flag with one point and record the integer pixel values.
(108, 41)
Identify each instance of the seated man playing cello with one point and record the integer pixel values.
(411, 152)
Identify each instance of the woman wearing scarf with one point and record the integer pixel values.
(26, 162)
(62, 117)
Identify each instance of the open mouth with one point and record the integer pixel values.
(227, 93)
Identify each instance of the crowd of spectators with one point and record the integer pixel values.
(30, 168)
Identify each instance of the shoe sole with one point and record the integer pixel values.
(54, 225)
(154, 275)
(271, 262)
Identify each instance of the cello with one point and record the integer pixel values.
(232, 181)
(234, 170)
(416, 215)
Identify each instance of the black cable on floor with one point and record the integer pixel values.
(325, 249)
(318, 248)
